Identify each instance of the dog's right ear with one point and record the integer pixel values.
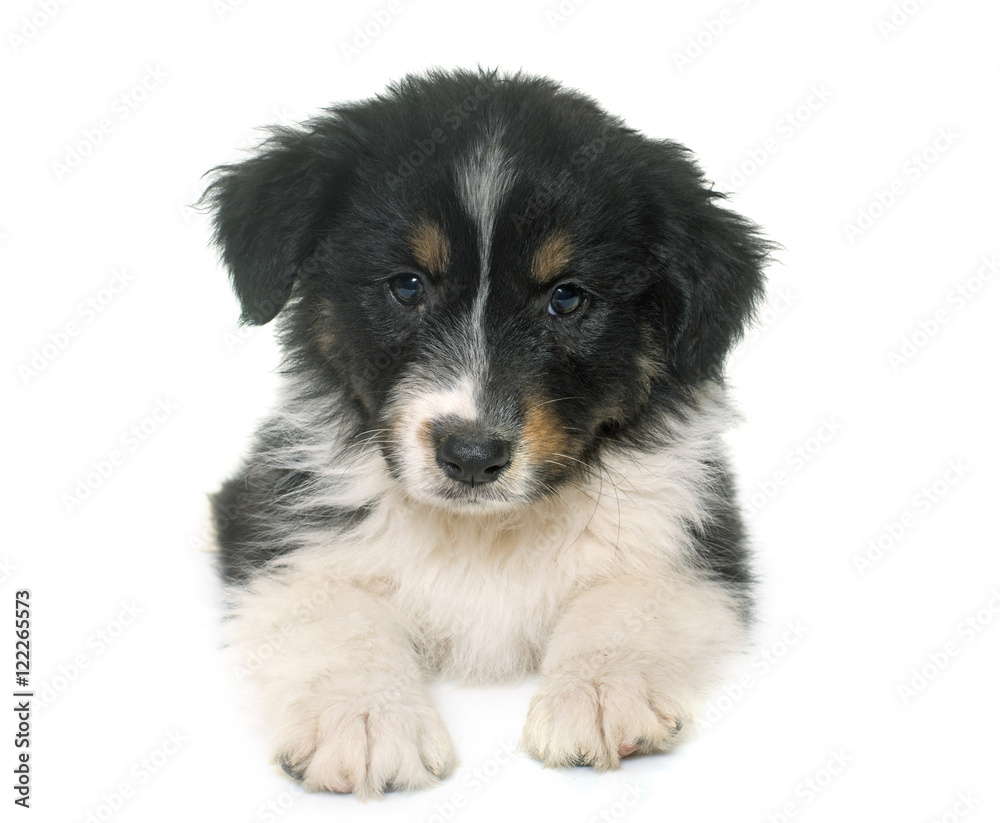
(270, 211)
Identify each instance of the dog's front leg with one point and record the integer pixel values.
(339, 684)
(625, 668)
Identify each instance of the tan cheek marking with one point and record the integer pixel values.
(545, 437)
(425, 433)
(552, 257)
(430, 247)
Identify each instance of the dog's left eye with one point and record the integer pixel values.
(566, 299)
(407, 289)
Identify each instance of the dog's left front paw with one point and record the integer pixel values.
(578, 722)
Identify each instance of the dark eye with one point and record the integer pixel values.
(407, 289)
(566, 299)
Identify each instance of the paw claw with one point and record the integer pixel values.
(297, 774)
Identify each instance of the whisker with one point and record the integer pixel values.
(361, 453)
(557, 494)
(583, 490)
(556, 400)
(370, 431)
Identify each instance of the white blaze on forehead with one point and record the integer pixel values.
(483, 180)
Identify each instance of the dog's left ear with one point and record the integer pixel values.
(709, 264)
(271, 210)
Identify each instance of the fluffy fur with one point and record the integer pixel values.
(519, 470)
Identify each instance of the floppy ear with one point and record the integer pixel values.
(711, 265)
(270, 211)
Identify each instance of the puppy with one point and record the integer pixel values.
(504, 318)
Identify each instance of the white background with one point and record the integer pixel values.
(876, 359)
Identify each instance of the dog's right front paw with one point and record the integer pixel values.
(354, 746)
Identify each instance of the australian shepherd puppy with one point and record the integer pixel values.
(505, 317)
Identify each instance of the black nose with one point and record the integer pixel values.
(473, 458)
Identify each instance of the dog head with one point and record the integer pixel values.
(491, 274)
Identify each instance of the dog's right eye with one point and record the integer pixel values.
(407, 289)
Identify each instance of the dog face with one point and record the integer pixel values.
(498, 280)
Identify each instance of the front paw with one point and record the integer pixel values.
(597, 722)
(365, 746)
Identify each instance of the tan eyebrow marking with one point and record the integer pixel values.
(552, 257)
(430, 246)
